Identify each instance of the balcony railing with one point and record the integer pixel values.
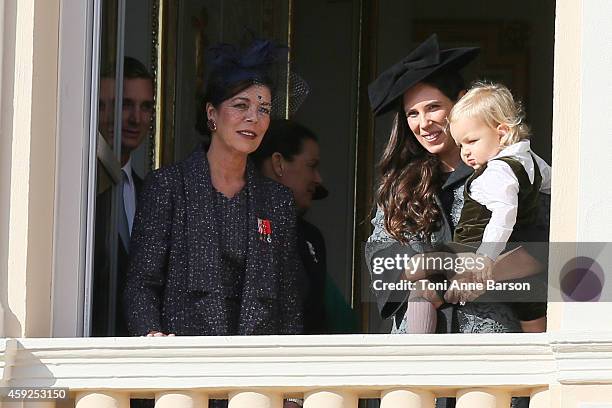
(407, 371)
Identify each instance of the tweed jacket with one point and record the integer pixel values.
(174, 284)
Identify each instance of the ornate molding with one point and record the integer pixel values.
(583, 358)
(296, 364)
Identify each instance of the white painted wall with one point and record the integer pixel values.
(28, 120)
(595, 200)
(592, 194)
(3, 184)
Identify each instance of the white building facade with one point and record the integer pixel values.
(47, 63)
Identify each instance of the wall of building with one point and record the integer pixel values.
(595, 122)
(6, 62)
(582, 148)
(29, 109)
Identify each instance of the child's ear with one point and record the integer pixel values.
(502, 130)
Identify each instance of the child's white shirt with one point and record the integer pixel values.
(497, 189)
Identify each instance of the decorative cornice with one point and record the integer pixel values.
(443, 363)
(583, 358)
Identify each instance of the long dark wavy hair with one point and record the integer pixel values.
(410, 175)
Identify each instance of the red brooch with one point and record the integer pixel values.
(264, 227)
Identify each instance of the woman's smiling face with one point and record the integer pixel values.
(427, 109)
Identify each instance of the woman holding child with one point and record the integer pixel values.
(421, 196)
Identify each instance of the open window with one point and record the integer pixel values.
(337, 47)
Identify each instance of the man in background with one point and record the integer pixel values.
(137, 111)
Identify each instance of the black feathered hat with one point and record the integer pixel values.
(229, 65)
(260, 62)
(422, 62)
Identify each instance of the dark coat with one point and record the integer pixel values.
(102, 258)
(174, 283)
(314, 257)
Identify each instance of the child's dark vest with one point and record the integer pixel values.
(476, 216)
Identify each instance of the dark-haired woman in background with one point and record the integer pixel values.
(289, 154)
(214, 245)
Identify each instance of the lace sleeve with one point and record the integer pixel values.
(379, 234)
(381, 245)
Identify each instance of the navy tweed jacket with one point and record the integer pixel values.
(174, 283)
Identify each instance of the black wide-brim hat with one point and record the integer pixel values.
(426, 60)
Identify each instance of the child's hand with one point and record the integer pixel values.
(480, 267)
(462, 296)
(484, 270)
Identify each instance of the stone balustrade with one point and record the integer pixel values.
(403, 371)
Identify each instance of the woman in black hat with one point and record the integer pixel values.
(420, 195)
(214, 245)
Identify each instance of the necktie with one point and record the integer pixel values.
(129, 202)
(124, 231)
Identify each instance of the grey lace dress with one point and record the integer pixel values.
(475, 317)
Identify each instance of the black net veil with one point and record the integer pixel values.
(288, 98)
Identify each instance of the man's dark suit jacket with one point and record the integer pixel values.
(175, 273)
(102, 254)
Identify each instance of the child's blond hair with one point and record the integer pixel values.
(494, 105)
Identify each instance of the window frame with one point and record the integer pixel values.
(78, 61)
